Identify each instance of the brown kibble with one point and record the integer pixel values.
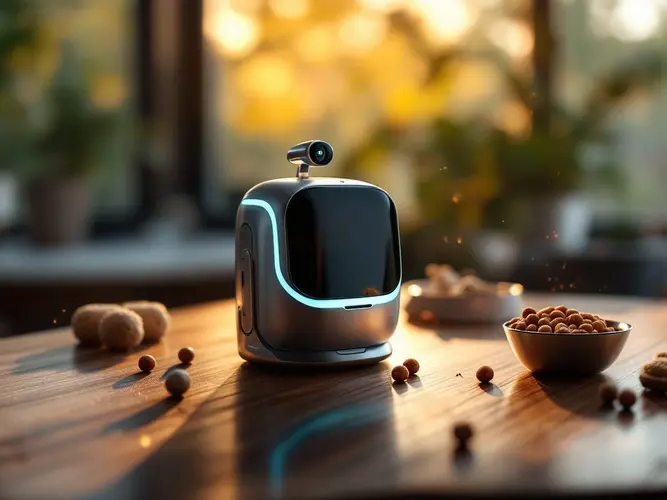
(556, 313)
(186, 355)
(561, 308)
(412, 365)
(588, 316)
(400, 373)
(544, 315)
(595, 331)
(546, 310)
(155, 316)
(463, 433)
(599, 326)
(558, 321)
(121, 330)
(580, 330)
(86, 323)
(532, 319)
(545, 329)
(572, 326)
(575, 319)
(588, 322)
(513, 320)
(570, 312)
(562, 328)
(610, 329)
(627, 398)
(661, 355)
(587, 327)
(520, 325)
(485, 374)
(608, 393)
(654, 375)
(527, 312)
(544, 321)
(177, 382)
(531, 328)
(146, 363)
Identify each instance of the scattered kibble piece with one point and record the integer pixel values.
(485, 374)
(186, 355)
(545, 329)
(531, 328)
(653, 375)
(463, 433)
(627, 398)
(121, 330)
(155, 316)
(177, 382)
(146, 363)
(608, 393)
(527, 312)
(86, 323)
(412, 365)
(400, 373)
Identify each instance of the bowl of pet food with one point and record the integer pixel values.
(565, 341)
(447, 297)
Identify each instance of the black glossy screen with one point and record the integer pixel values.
(342, 242)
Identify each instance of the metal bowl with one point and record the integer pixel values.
(426, 304)
(568, 353)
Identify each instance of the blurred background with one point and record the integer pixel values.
(523, 139)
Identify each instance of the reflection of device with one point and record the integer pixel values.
(318, 268)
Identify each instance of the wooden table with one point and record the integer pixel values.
(79, 423)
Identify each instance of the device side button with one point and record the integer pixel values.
(358, 350)
(247, 292)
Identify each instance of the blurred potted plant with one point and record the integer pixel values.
(67, 146)
(17, 43)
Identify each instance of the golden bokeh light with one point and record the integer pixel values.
(317, 44)
(514, 119)
(384, 6)
(266, 76)
(444, 21)
(235, 34)
(362, 31)
(514, 37)
(289, 9)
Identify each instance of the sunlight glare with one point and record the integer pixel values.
(445, 22)
(289, 9)
(512, 36)
(235, 34)
(635, 20)
(384, 6)
(362, 32)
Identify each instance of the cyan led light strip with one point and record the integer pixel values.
(317, 303)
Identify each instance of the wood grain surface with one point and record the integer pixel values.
(76, 423)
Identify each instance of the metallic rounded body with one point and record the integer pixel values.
(277, 323)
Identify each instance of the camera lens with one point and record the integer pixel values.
(321, 153)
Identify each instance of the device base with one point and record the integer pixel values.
(251, 349)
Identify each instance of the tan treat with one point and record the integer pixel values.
(562, 328)
(121, 330)
(588, 321)
(544, 321)
(570, 312)
(400, 373)
(412, 365)
(556, 313)
(531, 328)
(485, 374)
(532, 319)
(156, 318)
(579, 330)
(520, 325)
(595, 331)
(561, 308)
(186, 355)
(599, 326)
(546, 310)
(654, 375)
(572, 326)
(86, 323)
(610, 329)
(575, 319)
(177, 382)
(588, 316)
(527, 311)
(544, 315)
(514, 320)
(587, 327)
(545, 329)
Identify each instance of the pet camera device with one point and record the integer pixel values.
(318, 267)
